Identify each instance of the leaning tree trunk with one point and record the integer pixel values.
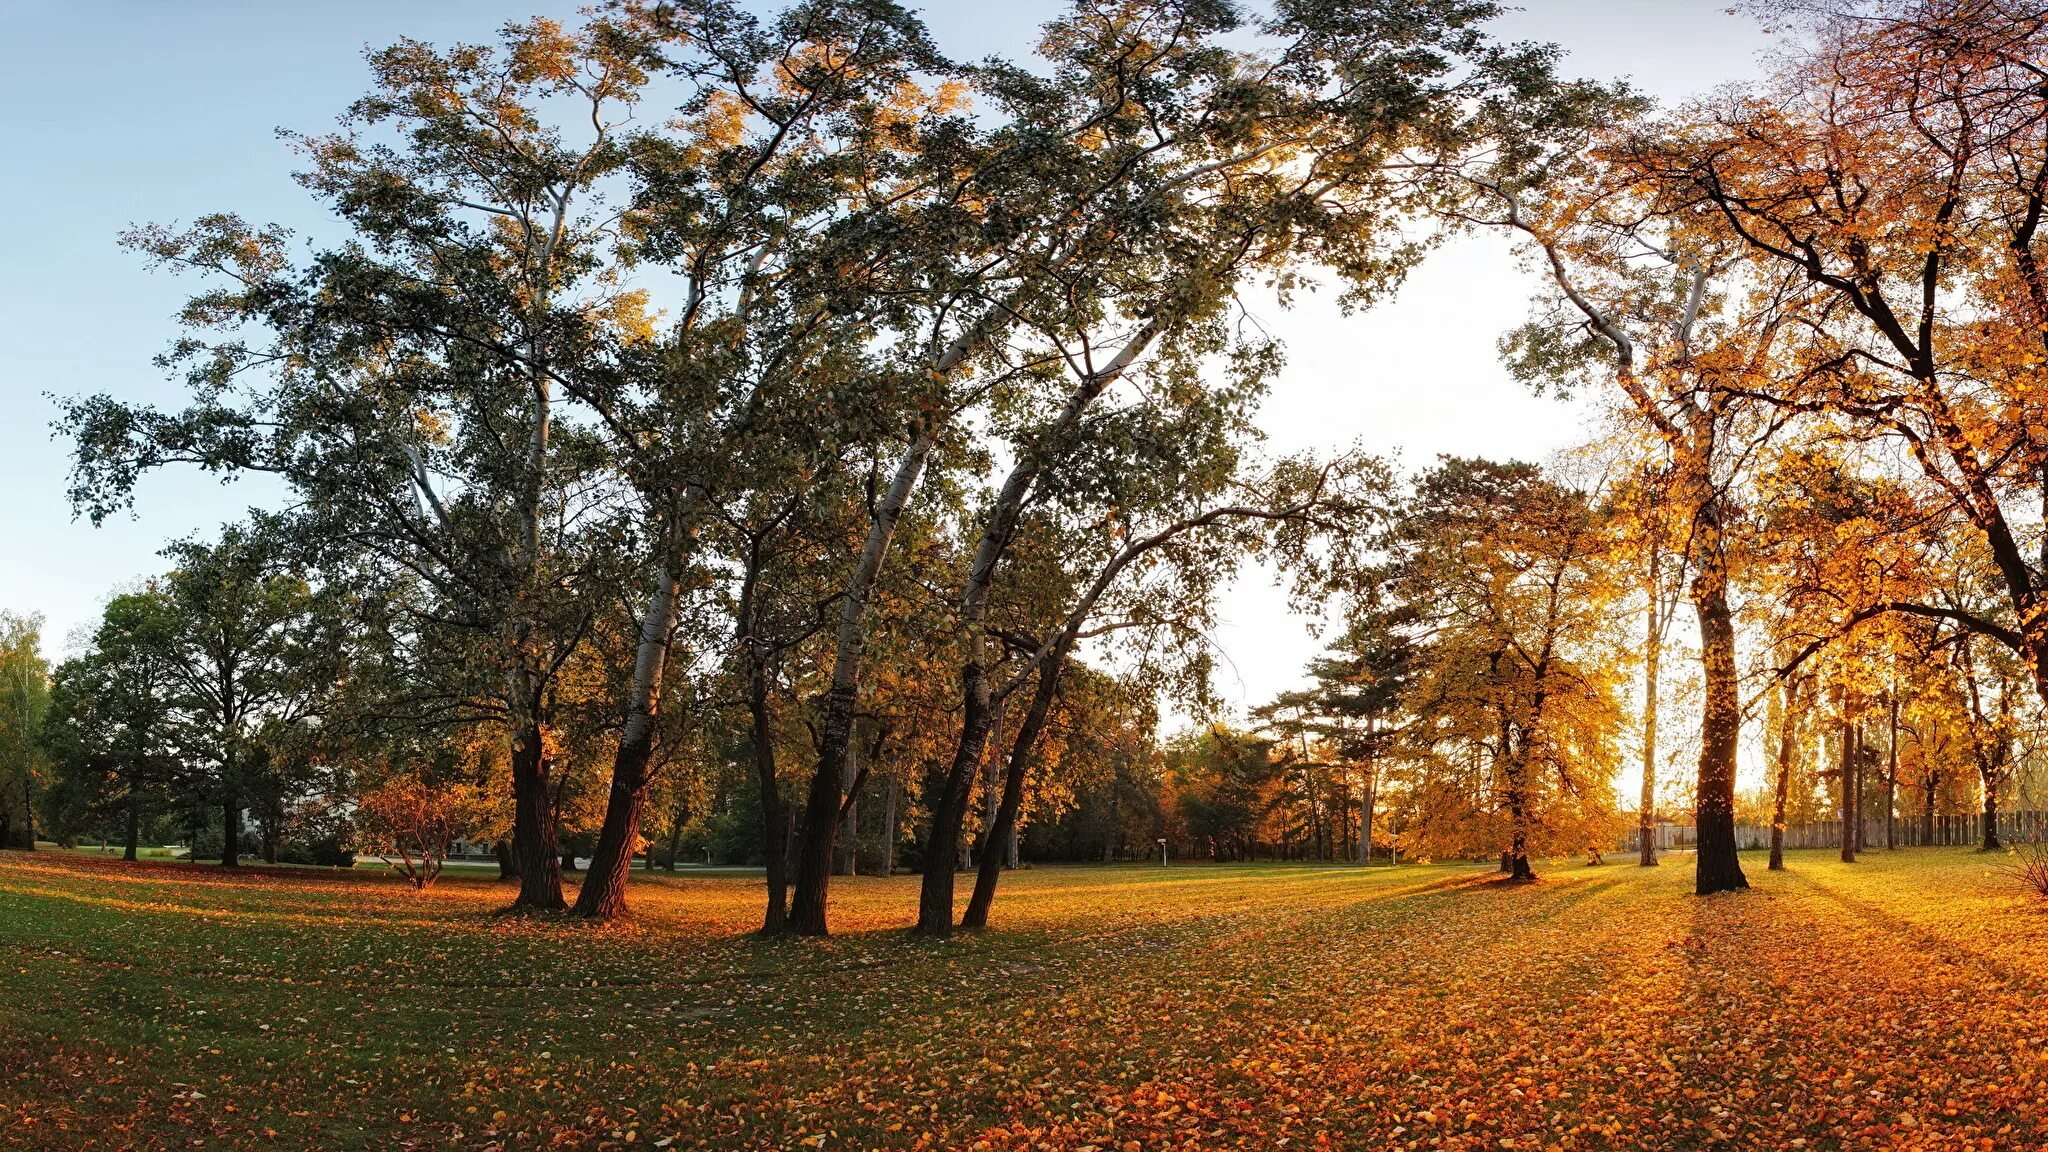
(603, 895)
(842, 699)
(949, 809)
(611, 862)
(935, 901)
(847, 862)
(1717, 868)
(1004, 824)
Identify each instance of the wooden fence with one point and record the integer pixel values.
(1908, 831)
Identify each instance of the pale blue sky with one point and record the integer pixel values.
(123, 113)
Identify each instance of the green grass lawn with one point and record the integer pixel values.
(1896, 1003)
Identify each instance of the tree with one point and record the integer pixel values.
(111, 736)
(24, 702)
(405, 384)
(1301, 177)
(808, 191)
(1506, 573)
(1221, 784)
(1360, 687)
(409, 823)
(1188, 557)
(246, 656)
(1896, 173)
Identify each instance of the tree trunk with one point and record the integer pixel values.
(508, 866)
(1847, 791)
(603, 895)
(847, 862)
(604, 889)
(774, 822)
(267, 819)
(821, 809)
(991, 800)
(1515, 862)
(1004, 823)
(889, 826)
(1653, 644)
(1991, 841)
(534, 843)
(534, 829)
(1788, 734)
(1366, 804)
(949, 808)
(1114, 833)
(935, 902)
(1857, 809)
(230, 817)
(24, 837)
(675, 836)
(131, 835)
(1891, 779)
(1717, 868)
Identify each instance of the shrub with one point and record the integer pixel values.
(327, 851)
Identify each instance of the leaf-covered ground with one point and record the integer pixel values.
(1898, 1003)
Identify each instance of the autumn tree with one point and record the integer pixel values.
(1506, 573)
(1177, 532)
(1896, 172)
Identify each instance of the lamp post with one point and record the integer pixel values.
(1162, 851)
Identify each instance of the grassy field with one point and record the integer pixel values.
(1898, 1003)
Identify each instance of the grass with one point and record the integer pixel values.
(1895, 1003)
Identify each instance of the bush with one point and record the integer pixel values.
(329, 851)
(318, 831)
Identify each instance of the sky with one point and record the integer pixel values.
(125, 112)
